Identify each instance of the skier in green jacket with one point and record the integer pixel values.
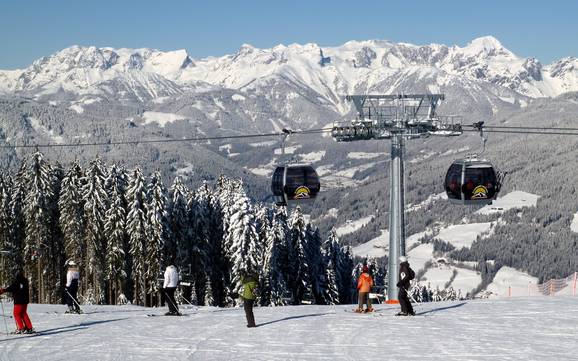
(249, 292)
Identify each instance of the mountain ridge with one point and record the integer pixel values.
(354, 67)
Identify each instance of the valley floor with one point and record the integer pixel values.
(532, 328)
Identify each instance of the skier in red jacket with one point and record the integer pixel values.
(19, 290)
(364, 284)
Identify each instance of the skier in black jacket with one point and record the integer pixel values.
(19, 290)
(406, 274)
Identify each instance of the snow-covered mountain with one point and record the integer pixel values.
(484, 65)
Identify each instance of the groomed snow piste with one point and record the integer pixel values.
(531, 328)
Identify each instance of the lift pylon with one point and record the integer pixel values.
(397, 117)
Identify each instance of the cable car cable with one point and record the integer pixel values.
(523, 132)
(151, 141)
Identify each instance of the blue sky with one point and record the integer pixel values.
(30, 29)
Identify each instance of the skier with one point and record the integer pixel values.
(406, 274)
(71, 289)
(364, 284)
(19, 290)
(169, 288)
(249, 294)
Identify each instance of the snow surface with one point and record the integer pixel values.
(378, 246)
(375, 248)
(509, 277)
(465, 280)
(364, 155)
(574, 224)
(161, 119)
(352, 226)
(37, 126)
(312, 157)
(288, 150)
(420, 255)
(526, 328)
(515, 199)
(463, 235)
(77, 108)
(428, 201)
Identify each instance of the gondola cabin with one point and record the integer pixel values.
(294, 183)
(471, 181)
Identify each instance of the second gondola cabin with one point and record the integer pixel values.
(471, 181)
(294, 183)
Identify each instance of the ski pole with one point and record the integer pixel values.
(187, 301)
(411, 296)
(73, 299)
(3, 315)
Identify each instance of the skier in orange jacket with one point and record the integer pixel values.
(364, 284)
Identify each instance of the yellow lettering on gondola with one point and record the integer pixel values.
(302, 192)
(480, 192)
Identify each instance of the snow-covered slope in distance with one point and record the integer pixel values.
(531, 328)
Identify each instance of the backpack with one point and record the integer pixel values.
(411, 274)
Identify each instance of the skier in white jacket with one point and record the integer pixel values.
(169, 288)
(71, 289)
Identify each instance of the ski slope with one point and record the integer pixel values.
(532, 328)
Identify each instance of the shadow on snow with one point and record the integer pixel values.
(293, 318)
(441, 308)
(54, 331)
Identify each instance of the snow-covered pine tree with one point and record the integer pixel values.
(199, 209)
(345, 269)
(219, 269)
(71, 207)
(38, 215)
(115, 233)
(224, 194)
(17, 224)
(179, 225)
(209, 299)
(95, 206)
(377, 272)
(276, 268)
(224, 199)
(6, 248)
(57, 251)
(136, 231)
(317, 278)
(299, 276)
(330, 252)
(157, 232)
(242, 238)
(263, 218)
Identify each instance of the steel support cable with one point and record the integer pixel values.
(523, 132)
(507, 130)
(152, 141)
(488, 127)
